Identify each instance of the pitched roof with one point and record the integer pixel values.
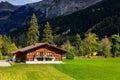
(35, 46)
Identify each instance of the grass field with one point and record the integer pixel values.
(78, 69)
(92, 69)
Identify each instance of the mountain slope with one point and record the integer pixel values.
(63, 7)
(83, 20)
(17, 20)
(53, 8)
(104, 14)
(6, 6)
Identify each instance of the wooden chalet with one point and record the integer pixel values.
(39, 53)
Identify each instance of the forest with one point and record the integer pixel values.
(87, 46)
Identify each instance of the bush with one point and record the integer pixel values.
(69, 55)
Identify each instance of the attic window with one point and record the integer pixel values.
(39, 53)
(48, 53)
(31, 53)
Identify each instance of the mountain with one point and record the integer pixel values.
(102, 18)
(64, 7)
(14, 19)
(84, 20)
(6, 6)
(65, 16)
(53, 8)
(6, 9)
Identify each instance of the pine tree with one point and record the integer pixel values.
(77, 44)
(6, 45)
(115, 45)
(20, 40)
(33, 31)
(77, 40)
(47, 34)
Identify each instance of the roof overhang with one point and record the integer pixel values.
(36, 46)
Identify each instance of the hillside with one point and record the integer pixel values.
(17, 20)
(83, 20)
(54, 8)
(6, 6)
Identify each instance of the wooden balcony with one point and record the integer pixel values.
(30, 56)
(54, 57)
(38, 56)
(44, 56)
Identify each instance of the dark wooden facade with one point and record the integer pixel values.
(39, 52)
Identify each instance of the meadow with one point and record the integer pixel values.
(78, 69)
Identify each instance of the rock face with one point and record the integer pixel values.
(53, 8)
(63, 7)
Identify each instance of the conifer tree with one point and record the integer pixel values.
(77, 44)
(6, 45)
(47, 34)
(33, 31)
(115, 45)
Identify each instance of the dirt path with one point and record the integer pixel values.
(4, 63)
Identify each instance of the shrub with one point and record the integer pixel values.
(69, 55)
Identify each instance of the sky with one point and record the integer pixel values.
(20, 2)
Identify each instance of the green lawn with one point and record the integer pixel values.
(78, 69)
(92, 69)
(32, 72)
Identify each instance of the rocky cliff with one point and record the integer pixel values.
(63, 7)
(53, 8)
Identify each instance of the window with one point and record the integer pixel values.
(48, 53)
(57, 59)
(40, 53)
(31, 53)
(30, 59)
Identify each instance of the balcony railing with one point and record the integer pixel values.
(45, 56)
